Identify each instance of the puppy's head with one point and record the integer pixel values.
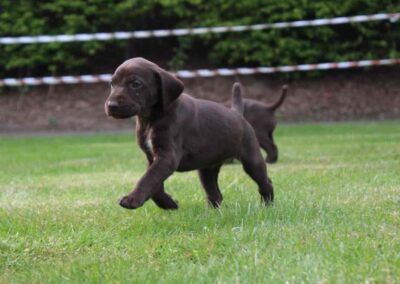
(139, 86)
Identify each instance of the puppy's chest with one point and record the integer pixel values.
(146, 142)
(149, 144)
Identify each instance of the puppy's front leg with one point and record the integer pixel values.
(151, 182)
(164, 200)
(161, 198)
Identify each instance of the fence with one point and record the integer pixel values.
(52, 80)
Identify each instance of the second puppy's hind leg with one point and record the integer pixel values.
(209, 180)
(268, 144)
(254, 165)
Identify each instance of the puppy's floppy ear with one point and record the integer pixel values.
(170, 87)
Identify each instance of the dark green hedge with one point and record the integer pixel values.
(270, 47)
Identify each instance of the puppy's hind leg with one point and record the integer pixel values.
(254, 165)
(209, 180)
(164, 200)
(268, 144)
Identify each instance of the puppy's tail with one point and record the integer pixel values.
(237, 100)
(278, 103)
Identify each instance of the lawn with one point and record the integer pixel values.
(336, 216)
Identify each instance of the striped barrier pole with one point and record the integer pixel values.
(393, 17)
(186, 74)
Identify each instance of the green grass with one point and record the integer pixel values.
(336, 218)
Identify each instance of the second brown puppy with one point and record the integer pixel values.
(180, 133)
(261, 117)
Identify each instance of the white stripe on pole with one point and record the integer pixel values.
(195, 31)
(29, 81)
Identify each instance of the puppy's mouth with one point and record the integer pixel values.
(122, 112)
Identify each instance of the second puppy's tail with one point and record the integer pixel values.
(278, 103)
(237, 100)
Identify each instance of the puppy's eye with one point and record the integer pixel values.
(135, 84)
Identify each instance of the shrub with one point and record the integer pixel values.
(269, 47)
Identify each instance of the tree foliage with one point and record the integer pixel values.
(267, 47)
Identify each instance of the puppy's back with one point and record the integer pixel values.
(209, 123)
(212, 115)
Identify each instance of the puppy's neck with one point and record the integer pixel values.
(156, 112)
(145, 116)
(149, 115)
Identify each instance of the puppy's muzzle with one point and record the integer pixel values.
(112, 105)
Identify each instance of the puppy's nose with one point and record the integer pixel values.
(112, 104)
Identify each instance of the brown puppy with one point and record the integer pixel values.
(180, 133)
(261, 117)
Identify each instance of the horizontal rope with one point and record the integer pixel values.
(195, 31)
(31, 81)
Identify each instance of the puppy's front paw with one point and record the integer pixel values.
(130, 202)
(271, 159)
